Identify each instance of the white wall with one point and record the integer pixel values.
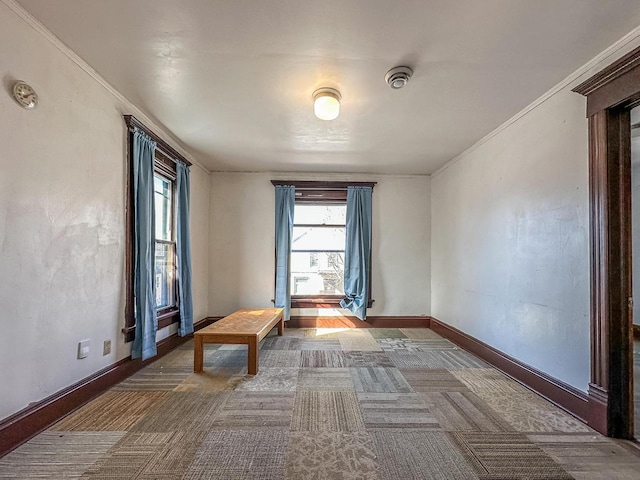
(510, 223)
(62, 175)
(242, 242)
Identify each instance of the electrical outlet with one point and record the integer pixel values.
(106, 348)
(83, 348)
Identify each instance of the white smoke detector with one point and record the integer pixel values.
(398, 77)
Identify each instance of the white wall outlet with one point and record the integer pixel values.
(83, 348)
(106, 347)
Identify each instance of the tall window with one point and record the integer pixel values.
(165, 262)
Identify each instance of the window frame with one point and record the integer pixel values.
(323, 193)
(165, 159)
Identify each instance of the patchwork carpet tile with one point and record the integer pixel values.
(323, 358)
(418, 455)
(271, 379)
(379, 380)
(361, 343)
(489, 381)
(506, 455)
(57, 454)
(450, 359)
(176, 359)
(280, 343)
(325, 379)
(315, 411)
(212, 379)
(464, 411)
(183, 411)
(156, 379)
(432, 380)
(342, 332)
(368, 359)
(112, 411)
(414, 345)
(331, 455)
(589, 456)
(320, 344)
(396, 410)
(280, 358)
(420, 333)
(378, 333)
(225, 358)
(255, 410)
(240, 455)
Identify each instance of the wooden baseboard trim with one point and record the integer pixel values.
(25, 424)
(353, 322)
(561, 394)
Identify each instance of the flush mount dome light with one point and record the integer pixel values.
(326, 103)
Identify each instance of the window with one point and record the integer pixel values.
(318, 243)
(165, 275)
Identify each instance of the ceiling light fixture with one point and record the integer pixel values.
(326, 103)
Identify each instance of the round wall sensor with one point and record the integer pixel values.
(398, 77)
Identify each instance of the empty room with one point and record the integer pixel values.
(354, 239)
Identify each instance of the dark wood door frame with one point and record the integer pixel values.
(610, 95)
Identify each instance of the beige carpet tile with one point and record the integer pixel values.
(315, 411)
(379, 380)
(396, 410)
(323, 358)
(280, 343)
(506, 455)
(415, 345)
(419, 455)
(420, 333)
(57, 455)
(299, 332)
(589, 456)
(325, 379)
(464, 411)
(270, 380)
(146, 456)
(255, 410)
(331, 456)
(432, 380)
(338, 333)
(367, 359)
(183, 411)
(240, 455)
(360, 343)
(450, 359)
(176, 359)
(530, 413)
(320, 344)
(212, 379)
(157, 379)
(280, 358)
(379, 333)
(489, 381)
(112, 411)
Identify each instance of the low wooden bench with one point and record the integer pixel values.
(247, 326)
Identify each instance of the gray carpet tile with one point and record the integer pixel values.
(280, 343)
(450, 359)
(323, 358)
(316, 411)
(156, 379)
(280, 358)
(271, 379)
(320, 344)
(57, 454)
(255, 410)
(419, 455)
(396, 410)
(506, 455)
(379, 333)
(331, 455)
(379, 380)
(415, 345)
(368, 359)
(226, 358)
(420, 333)
(432, 380)
(325, 379)
(240, 455)
(361, 343)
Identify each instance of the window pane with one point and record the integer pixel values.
(164, 275)
(162, 199)
(320, 214)
(318, 238)
(319, 273)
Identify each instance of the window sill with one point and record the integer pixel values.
(164, 320)
(319, 302)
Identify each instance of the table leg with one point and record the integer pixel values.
(281, 327)
(198, 354)
(253, 356)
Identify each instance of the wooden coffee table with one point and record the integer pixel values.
(247, 326)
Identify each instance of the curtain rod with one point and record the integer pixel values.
(133, 123)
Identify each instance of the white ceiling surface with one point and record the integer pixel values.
(233, 79)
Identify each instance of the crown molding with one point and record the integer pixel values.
(163, 132)
(573, 77)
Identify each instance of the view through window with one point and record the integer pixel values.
(317, 251)
(165, 243)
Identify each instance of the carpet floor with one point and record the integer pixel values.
(374, 404)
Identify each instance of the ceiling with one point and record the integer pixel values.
(233, 79)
